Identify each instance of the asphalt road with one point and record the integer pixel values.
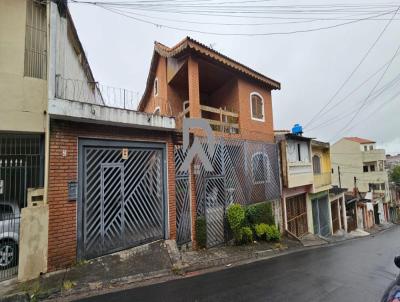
(358, 270)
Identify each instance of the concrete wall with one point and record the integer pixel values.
(33, 242)
(23, 100)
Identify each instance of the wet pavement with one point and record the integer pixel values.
(356, 270)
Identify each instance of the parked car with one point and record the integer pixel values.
(392, 294)
(9, 234)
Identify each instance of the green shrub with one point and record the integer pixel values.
(235, 215)
(261, 230)
(260, 213)
(247, 235)
(272, 233)
(201, 232)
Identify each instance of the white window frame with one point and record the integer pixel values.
(251, 107)
(264, 155)
(155, 87)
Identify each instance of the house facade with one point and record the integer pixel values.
(359, 166)
(193, 81)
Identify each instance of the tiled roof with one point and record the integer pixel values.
(359, 140)
(203, 50)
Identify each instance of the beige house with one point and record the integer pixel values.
(40, 55)
(357, 163)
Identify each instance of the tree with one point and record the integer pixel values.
(395, 175)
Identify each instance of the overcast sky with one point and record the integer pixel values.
(310, 66)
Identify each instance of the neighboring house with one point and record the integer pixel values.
(359, 166)
(191, 80)
(297, 181)
(106, 171)
(320, 214)
(309, 204)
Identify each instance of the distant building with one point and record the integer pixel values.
(392, 161)
(359, 166)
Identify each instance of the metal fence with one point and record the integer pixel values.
(93, 92)
(21, 167)
(244, 172)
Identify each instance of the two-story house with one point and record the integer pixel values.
(191, 80)
(359, 166)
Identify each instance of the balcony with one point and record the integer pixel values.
(220, 120)
(373, 155)
(322, 179)
(299, 174)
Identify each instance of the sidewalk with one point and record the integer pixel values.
(149, 263)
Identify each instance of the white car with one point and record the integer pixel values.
(9, 234)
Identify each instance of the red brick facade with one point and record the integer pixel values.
(63, 167)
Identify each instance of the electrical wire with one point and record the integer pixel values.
(355, 69)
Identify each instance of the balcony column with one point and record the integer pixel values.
(194, 88)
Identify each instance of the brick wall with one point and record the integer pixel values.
(63, 167)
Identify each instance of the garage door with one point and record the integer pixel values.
(320, 209)
(122, 196)
(296, 212)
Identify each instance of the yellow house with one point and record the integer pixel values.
(318, 207)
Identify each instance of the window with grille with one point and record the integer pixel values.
(257, 107)
(261, 168)
(36, 40)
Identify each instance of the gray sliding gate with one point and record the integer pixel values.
(122, 196)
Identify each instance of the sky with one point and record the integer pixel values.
(311, 66)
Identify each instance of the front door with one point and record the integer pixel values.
(335, 216)
(296, 212)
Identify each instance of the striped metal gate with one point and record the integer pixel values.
(122, 196)
(215, 210)
(182, 190)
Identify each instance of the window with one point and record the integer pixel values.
(257, 107)
(299, 152)
(261, 168)
(371, 147)
(6, 212)
(365, 148)
(372, 168)
(383, 186)
(35, 65)
(156, 87)
(316, 164)
(373, 187)
(365, 169)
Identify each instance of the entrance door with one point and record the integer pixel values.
(335, 216)
(215, 210)
(122, 201)
(321, 216)
(296, 213)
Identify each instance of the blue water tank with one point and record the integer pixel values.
(297, 129)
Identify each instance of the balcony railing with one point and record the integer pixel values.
(93, 92)
(373, 155)
(220, 119)
(322, 179)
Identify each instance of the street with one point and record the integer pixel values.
(358, 270)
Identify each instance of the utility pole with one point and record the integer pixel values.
(340, 182)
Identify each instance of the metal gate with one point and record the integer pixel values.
(215, 210)
(182, 191)
(122, 196)
(320, 209)
(21, 167)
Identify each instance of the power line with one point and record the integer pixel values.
(119, 12)
(355, 69)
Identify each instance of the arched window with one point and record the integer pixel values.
(257, 106)
(261, 168)
(316, 160)
(155, 87)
